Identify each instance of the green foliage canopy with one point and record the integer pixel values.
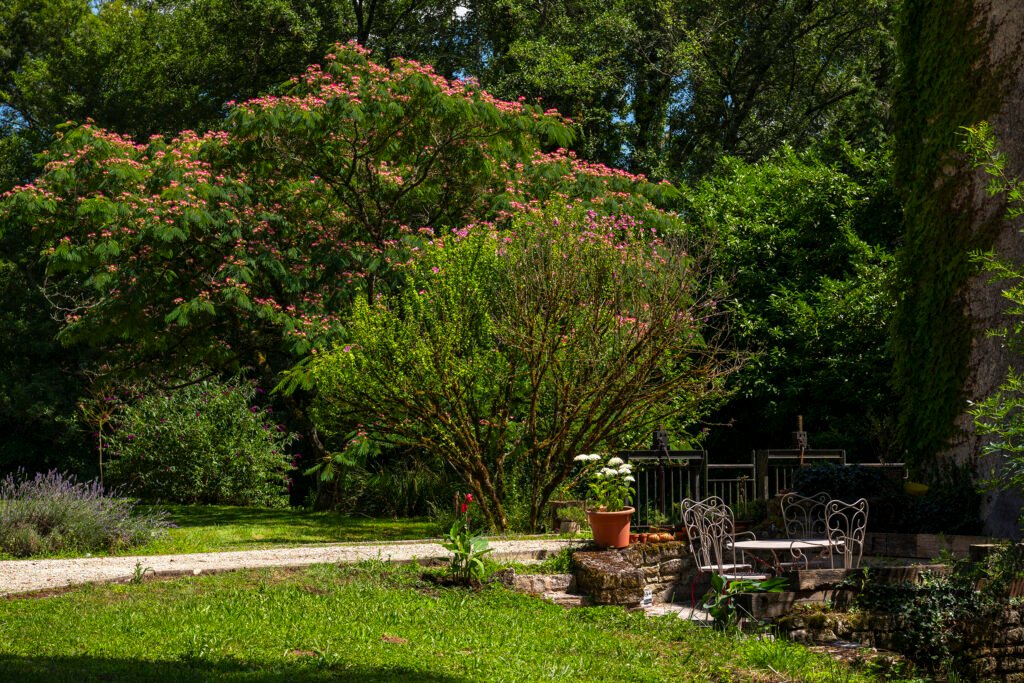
(809, 248)
(508, 353)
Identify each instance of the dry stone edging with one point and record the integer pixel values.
(29, 576)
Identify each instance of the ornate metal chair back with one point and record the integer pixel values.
(804, 516)
(710, 526)
(846, 524)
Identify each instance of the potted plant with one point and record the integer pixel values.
(748, 513)
(657, 521)
(571, 518)
(609, 513)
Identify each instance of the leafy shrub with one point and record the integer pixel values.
(204, 443)
(950, 506)
(843, 482)
(934, 613)
(52, 512)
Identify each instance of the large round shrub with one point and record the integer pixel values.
(204, 443)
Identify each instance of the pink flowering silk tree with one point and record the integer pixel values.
(247, 246)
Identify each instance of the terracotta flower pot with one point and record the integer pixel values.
(610, 529)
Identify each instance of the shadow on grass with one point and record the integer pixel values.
(86, 669)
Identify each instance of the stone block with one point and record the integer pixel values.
(1011, 664)
(672, 567)
(985, 666)
(625, 597)
(766, 605)
(634, 554)
(670, 592)
(817, 579)
(566, 599)
(543, 583)
(1014, 635)
(611, 577)
(800, 636)
(864, 637)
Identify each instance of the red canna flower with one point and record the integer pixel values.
(463, 508)
(469, 497)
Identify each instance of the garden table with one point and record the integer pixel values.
(796, 547)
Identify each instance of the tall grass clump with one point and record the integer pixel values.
(51, 513)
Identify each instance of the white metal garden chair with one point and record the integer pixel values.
(846, 525)
(711, 529)
(804, 516)
(804, 519)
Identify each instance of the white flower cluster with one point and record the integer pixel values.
(615, 467)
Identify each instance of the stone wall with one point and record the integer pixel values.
(993, 647)
(620, 577)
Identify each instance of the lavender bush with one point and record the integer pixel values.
(52, 512)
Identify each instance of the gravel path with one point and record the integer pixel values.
(23, 576)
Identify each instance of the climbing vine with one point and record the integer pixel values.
(948, 82)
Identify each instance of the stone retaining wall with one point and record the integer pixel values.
(919, 546)
(620, 577)
(994, 647)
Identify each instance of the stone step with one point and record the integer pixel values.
(539, 584)
(566, 599)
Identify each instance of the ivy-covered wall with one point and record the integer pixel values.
(948, 81)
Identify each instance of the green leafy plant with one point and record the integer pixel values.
(933, 613)
(843, 482)
(573, 513)
(611, 486)
(656, 517)
(751, 510)
(467, 549)
(209, 442)
(720, 600)
(1000, 416)
(139, 572)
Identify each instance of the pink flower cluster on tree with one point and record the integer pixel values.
(247, 245)
(252, 239)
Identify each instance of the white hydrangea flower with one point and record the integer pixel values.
(582, 457)
(626, 469)
(630, 478)
(593, 457)
(609, 472)
(614, 462)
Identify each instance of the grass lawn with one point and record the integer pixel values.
(368, 622)
(209, 528)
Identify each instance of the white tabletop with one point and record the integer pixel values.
(784, 544)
